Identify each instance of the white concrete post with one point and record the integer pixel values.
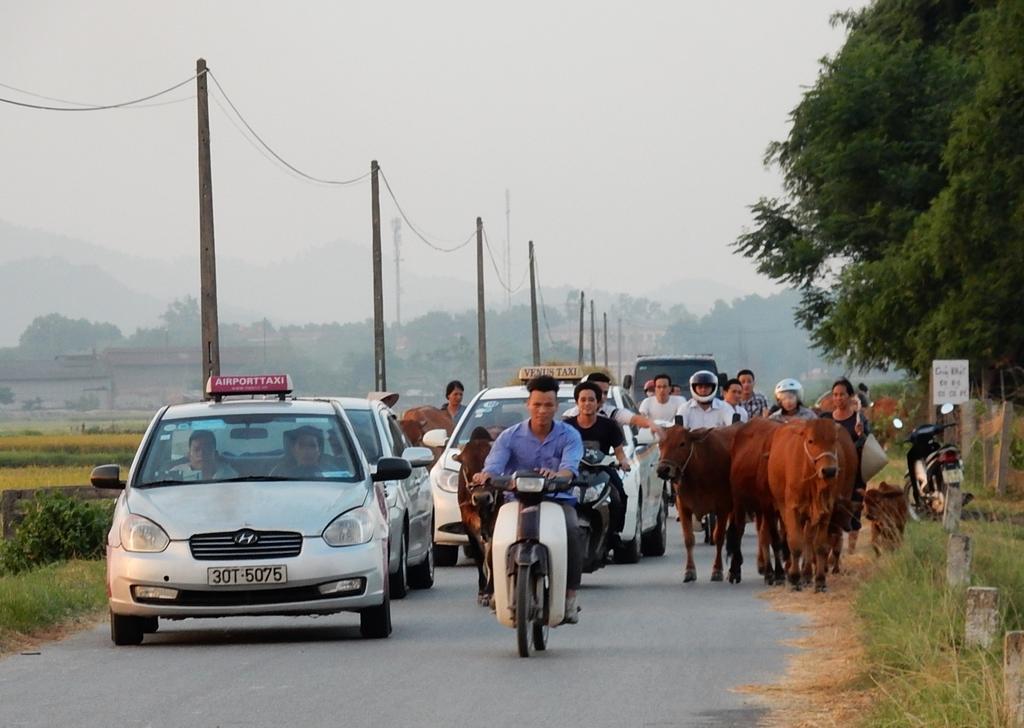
(958, 560)
(1013, 678)
(982, 616)
(953, 508)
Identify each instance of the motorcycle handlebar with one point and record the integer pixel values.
(507, 483)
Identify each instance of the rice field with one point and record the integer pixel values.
(33, 459)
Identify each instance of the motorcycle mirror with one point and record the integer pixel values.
(946, 408)
(897, 423)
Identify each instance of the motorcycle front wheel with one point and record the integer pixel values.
(524, 601)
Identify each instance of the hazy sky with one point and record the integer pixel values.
(631, 132)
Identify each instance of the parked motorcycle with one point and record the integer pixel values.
(932, 468)
(530, 558)
(593, 493)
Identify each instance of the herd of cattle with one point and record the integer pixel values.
(794, 480)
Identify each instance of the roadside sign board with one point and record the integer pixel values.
(950, 381)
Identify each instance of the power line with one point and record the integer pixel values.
(79, 107)
(540, 291)
(83, 103)
(416, 230)
(494, 264)
(277, 156)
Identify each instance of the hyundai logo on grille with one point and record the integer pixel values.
(246, 537)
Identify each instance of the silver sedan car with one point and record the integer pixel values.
(409, 501)
(248, 507)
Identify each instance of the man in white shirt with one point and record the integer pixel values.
(704, 409)
(733, 397)
(663, 406)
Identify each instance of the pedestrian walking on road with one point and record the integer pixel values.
(453, 400)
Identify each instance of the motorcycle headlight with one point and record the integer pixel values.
(529, 484)
(593, 494)
(447, 480)
(142, 535)
(350, 528)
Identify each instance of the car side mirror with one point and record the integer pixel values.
(107, 477)
(435, 438)
(392, 469)
(627, 382)
(897, 423)
(419, 457)
(645, 437)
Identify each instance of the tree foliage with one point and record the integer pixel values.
(53, 334)
(902, 219)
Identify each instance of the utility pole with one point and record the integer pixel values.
(207, 254)
(396, 230)
(605, 315)
(593, 339)
(582, 306)
(534, 327)
(380, 382)
(481, 312)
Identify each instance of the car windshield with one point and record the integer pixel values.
(497, 415)
(366, 433)
(264, 446)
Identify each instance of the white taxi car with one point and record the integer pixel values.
(497, 408)
(248, 507)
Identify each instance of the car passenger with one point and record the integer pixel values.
(303, 447)
(204, 462)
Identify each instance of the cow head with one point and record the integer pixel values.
(677, 450)
(472, 458)
(821, 445)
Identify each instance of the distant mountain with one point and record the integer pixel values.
(42, 273)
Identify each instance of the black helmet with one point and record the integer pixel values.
(703, 377)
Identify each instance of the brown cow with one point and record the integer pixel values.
(479, 509)
(751, 495)
(809, 469)
(697, 463)
(886, 508)
(418, 421)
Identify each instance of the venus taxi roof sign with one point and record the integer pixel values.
(562, 372)
(226, 384)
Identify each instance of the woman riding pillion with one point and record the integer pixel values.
(554, 449)
(789, 394)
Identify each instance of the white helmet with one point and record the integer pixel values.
(789, 385)
(703, 377)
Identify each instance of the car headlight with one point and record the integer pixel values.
(142, 535)
(448, 480)
(350, 528)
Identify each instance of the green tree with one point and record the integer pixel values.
(53, 334)
(902, 172)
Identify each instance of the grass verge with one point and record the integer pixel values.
(38, 603)
(912, 630)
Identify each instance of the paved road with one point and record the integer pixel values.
(648, 651)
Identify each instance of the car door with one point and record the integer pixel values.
(647, 459)
(417, 488)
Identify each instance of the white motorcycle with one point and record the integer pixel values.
(530, 558)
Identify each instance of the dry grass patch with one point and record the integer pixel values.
(824, 682)
(43, 476)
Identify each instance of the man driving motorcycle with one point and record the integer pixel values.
(554, 449)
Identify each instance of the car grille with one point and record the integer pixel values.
(222, 546)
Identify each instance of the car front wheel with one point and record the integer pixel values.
(375, 622)
(399, 580)
(126, 630)
(446, 555)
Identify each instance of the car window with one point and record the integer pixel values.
(366, 433)
(397, 436)
(497, 415)
(258, 446)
